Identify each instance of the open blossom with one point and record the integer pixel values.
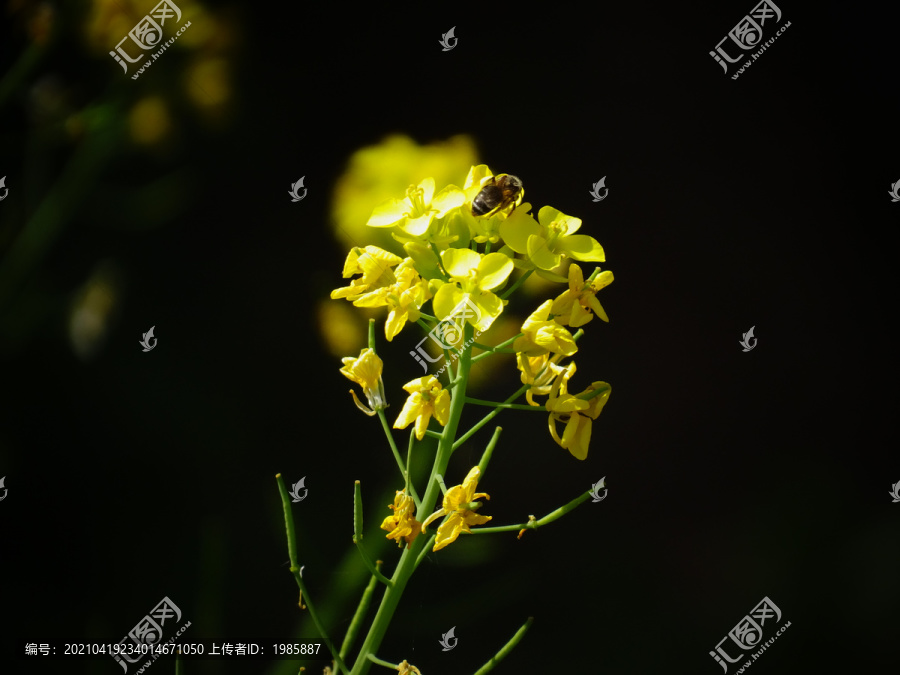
(541, 334)
(366, 372)
(473, 276)
(374, 264)
(459, 504)
(414, 213)
(544, 242)
(577, 306)
(426, 398)
(404, 298)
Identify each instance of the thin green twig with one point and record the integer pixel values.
(295, 570)
(487, 418)
(533, 524)
(506, 649)
(508, 406)
(356, 622)
(519, 282)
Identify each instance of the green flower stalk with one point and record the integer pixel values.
(462, 249)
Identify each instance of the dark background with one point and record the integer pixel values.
(732, 476)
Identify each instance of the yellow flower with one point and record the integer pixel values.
(366, 372)
(404, 298)
(577, 306)
(402, 523)
(542, 334)
(540, 372)
(545, 242)
(377, 172)
(404, 668)
(414, 213)
(427, 397)
(576, 413)
(473, 276)
(375, 266)
(459, 504)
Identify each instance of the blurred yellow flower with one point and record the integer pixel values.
(149, 121)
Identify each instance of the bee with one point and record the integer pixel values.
(496, 194)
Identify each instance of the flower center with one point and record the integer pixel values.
(416, 197)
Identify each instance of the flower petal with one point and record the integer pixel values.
(581, 247)
(493, 271)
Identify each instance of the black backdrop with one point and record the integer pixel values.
(732, 476)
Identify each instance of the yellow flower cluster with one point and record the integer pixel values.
(441, 233)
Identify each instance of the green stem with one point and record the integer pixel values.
(425, 548)
(387, 432)
(519, 282)
(507, 648)
(496, 348)
(488, 451)
(534, 524)
(410, 489)
(292, 552)
(492, 350)
(491, 415)
(356, 622)
(408, 559)
(378, 662)
(508, 406)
